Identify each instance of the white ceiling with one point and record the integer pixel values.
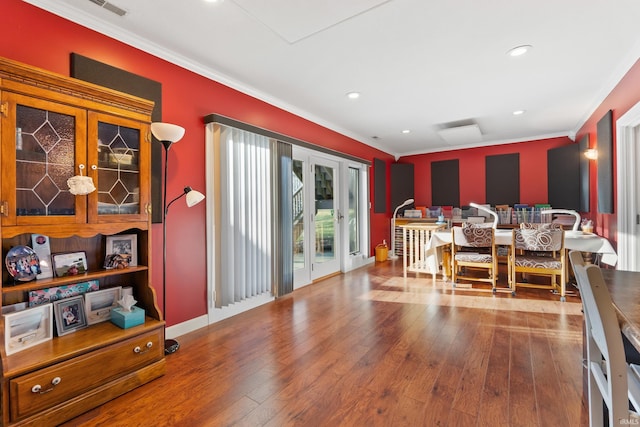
(421, 65)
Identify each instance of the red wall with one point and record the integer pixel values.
(533, 163)
(533, 170)
(624, 96)
(38, 38)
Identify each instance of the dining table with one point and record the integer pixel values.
(624, 287)
(573, 240)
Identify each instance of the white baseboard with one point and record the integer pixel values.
(186, 327)
(216, 315)
(357, 262)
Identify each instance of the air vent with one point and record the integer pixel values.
(461, 134)
(110, 7)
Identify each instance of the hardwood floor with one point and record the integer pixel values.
(369, 348)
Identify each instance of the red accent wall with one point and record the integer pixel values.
(624, 96)
(38, 38)
(533, 170)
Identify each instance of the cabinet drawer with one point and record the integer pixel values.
(47, 387)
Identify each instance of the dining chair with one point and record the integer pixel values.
(538, 251)
(473, 248)
(610, 379)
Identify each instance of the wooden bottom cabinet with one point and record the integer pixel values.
(62, 388)
(83, 376)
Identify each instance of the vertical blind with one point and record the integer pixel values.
(246, 216)
(252, 243)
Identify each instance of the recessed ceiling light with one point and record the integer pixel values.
(406, 131)
(214, 1)
(519, 50)
(518, 112)
(353, 95)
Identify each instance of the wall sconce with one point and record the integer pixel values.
(591, 154)
(169, 134)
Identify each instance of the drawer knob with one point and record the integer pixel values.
(139, 350)
(38, 388)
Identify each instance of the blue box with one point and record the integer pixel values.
(127, 319)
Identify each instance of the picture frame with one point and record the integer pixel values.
(69, 264)
(41, 246)
(123, 244)
(26, 328)
(98, 304)
(70, 315)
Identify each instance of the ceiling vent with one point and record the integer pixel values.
(110, 7)
(459, 135)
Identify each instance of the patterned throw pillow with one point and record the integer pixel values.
(539, 239)
(477, 236)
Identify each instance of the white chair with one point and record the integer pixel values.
(611, 379)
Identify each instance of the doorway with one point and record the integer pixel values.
(628, 189)
(316, 216)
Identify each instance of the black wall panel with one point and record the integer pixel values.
(92, 71)
(605, 163)
(563, 177)
(402, 179)
(503, 179)
(445, 183)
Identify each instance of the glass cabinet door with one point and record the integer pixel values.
(40, 151)
(118, 151)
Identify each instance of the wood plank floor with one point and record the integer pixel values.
(369, 348)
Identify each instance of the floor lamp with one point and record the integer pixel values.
(393, 228)
(168, 134)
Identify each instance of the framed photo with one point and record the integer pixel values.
(69, 264)
(98, 304)
(26, 328)
(41, 247)
(70, 315)
(123, 244)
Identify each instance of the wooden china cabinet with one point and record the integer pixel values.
(51, 128)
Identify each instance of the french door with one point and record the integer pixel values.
(316, 216)
(326, 218)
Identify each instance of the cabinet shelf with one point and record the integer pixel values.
(66, 280)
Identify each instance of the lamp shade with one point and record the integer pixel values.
(167, 131)
(194, 197)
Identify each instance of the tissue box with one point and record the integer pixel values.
(127, 319)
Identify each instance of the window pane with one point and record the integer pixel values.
(298, 214)
(325, 214)
(354, 210)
